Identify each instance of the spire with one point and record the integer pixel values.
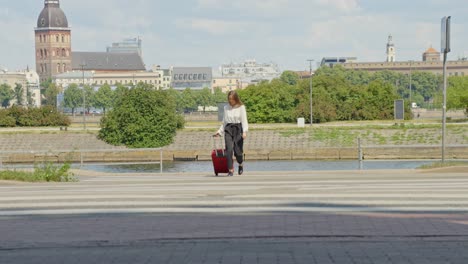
(390, 40)
(390, 49)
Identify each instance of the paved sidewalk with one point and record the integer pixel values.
(401, 216)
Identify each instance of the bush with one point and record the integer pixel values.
(44, 116)
(142, 118)
(6, 120)
(45, 172)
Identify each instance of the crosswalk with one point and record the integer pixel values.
(253, 192)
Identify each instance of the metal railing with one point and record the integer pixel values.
(83, 156)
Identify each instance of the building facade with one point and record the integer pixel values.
(29, 81)
(251, 70)
(98, 78)
(52, 41)
(227, 83)
(130, 45)
(330, 61)
(195, 78)
(431, 62)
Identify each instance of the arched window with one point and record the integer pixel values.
(58, 67)
(40, 38)
(63, 38)
(42, 54)
(45, 54)
(64, 67)
(64, 54)
(56, 38)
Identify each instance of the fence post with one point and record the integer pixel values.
(161, 160)
(81, 158)
(360, 153)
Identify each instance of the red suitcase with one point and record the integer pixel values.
(218, 156)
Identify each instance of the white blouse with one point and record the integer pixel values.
(234, 115)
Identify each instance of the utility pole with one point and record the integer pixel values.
(445, 48)
(84, 96)
(310, 88)
(410, 87)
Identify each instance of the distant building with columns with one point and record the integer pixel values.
(431, 62)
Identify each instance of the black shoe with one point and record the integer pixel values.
(230, 174)
(241, 169)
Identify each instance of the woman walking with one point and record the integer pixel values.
(234, 128)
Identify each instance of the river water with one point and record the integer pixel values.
(294, 165)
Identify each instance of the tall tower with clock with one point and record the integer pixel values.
(390, 49)
(53, 41)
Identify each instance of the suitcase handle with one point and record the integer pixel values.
(215, 142)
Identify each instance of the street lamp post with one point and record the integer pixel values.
(410, 88)
(310, 88)
(84, 96)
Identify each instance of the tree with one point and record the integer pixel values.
(89, 97)
(188, 100)
(51, 93)
(457, 93)
(269, 102)
(204, 98)
(103, 97)
(219, 96)
(73, 97)
(289, 77)
(119, 93)
(18, 94)
(6, 95)
(143, 118)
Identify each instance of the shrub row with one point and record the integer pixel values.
(28, 117)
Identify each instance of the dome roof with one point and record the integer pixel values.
(431, 50)
(52, 16)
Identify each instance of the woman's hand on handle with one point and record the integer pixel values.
(244, 135)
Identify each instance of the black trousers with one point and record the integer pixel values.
(234, 143)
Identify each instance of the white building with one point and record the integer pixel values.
(97, 79)
(250, 70)
(30, 82)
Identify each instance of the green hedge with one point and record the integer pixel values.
(30, 117)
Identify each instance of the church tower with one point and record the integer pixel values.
(53, 41)
(390, 49)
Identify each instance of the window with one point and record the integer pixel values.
(175, 77)
(64, 54)
(58, 67)
(63, 38)
(57, 38)
(199, 76)
(185, 76)
(204, 76)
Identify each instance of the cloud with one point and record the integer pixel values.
(343, 5)
(213, 26)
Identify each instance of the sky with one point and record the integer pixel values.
(212, 32)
